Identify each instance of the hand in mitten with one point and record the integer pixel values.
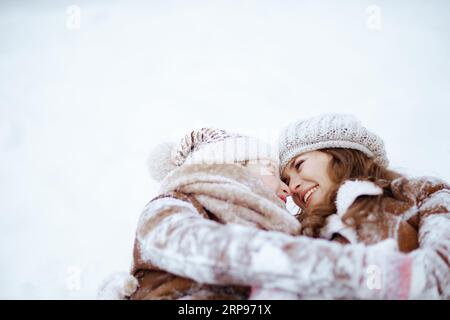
(118, 286)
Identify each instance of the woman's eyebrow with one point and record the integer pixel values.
(295, 161)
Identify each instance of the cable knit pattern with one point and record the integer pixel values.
(329, 131)
(207, 146)
(196, 139)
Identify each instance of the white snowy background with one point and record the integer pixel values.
(88, 87)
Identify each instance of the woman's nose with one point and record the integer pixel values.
(294, 187)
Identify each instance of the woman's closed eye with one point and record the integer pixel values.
(298, 164)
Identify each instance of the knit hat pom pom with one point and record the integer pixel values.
(160, 160)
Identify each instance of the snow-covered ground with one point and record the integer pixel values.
(88, 87)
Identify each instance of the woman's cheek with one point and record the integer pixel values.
(319, 198)
(271, 182)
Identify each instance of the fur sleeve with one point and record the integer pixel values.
(209, 252)
(434, 235)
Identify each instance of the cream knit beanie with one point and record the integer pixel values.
(329, 131)
(207, 146)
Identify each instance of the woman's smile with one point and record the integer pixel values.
(307, 195)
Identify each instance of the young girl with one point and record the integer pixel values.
(212, 175)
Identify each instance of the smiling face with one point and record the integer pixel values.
(267, 172)
(308, 178)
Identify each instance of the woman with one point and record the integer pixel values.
(341, 185)
(338, 175)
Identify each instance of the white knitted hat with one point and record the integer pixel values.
(207, 146)
(329, 131)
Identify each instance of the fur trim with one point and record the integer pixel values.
(351, 190)
(160, 160)
(335, 225)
